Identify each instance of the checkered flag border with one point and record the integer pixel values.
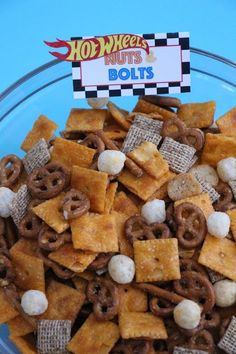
(154, 39)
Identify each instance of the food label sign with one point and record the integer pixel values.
(128, 64)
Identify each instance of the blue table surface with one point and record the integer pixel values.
(24, 24)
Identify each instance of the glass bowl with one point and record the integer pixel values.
(48, 90)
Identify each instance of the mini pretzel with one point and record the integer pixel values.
(132, 346)
(191, 228)
(30, 225)
(169, 124)
(223, 326)
(156, 230)
(48, 181)
(193, 137)
(75, 204)
(162, 100)
(212, 320)
(7, 274)
(159, 292)
(50, 240)
(131, 165)
(203, 340)
(226, 197)
(10, 169)
(105, 298)
(62, 273)
(197, 287)
(161, 307)
(190, 265)
(13, 298)
(136, 228)
(100, 261)
(170, 217)
(94, 141)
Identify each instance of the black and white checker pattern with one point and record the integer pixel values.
(153, 39)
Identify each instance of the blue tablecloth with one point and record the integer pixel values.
(24, 24)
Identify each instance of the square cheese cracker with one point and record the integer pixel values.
(218, 147)
(131, 299)
(70, 153)
(156, 260)
(50, 212)
(42, 128)
(93, 184)
(202, 201)
(227, 123)
(139, 325)
(219, 255)
(86, 120)
(64, 302)
(94, 232)
(75, 260)
(94, 337)
(149, 159)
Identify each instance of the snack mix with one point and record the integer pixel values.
(118, 236)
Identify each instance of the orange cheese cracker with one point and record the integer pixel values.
(124, 245)
(70, 153)
(123, 204)
(110, 196)
(149, 158)
(131, 299)
(29, 271)
(19, 327)
(7, 312)
(143, 186)
(25, 344)
(64, 302)
(94, 232)
(80, 284)
(42, 128)
(26, 246)
(218, 147)
(93, 184)
(219, 255)
(118, 115)
(156, 260)
(86, 120)
(227, 123)
(50, 212)
(202, 201)
(75, 260)
(139, 325)
(94, 337)
(161, 191)
(143, 106)
(197, 115)
(232, 215)
(114, 132)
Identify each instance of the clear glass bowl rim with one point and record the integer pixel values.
(54, 62)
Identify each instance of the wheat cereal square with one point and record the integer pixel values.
(94, 337)
(95, 232)
(37, 156)
(228, 341)
(75, 260)
(42, 128)
(50, 212)
(219, 255)
(141, 325)
(93, 184)
(156, 260)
